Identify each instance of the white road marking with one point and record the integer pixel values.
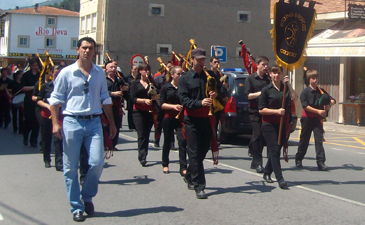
(1, 217)
(293, 185)
(361, 153)
(337, 149)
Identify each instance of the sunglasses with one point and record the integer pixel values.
(86, 90)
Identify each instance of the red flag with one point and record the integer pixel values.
(248, 62)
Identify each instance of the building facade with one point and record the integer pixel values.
(156, 28)
(36, 30)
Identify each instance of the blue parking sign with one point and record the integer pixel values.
(221, 52)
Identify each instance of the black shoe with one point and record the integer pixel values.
(59, 167)
(190, 185)
(201, 195)
(249, 153)
(25, 142)
(143, 162)
(78, 216)
(47, 164)
(267, 178)
(283, 184)
(259, 169)
(33, 145)
(89, 208)
(6, 125)
(298, 163)
(157, 145)
(322, 167)
(173, 146)
(115, 149)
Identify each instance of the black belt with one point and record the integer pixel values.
(88, 117)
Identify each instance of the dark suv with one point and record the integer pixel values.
(235, 119)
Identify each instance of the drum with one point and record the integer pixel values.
(18, 100)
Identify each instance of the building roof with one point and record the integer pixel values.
(45, 10)
(326, 7)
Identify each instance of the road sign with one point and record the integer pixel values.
(137, 60)
(221, 52)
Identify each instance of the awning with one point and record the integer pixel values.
(342, 39)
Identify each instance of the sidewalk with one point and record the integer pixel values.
(334, 126)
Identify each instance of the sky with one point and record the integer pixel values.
(10, 4)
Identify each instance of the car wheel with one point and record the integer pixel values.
(222, 136)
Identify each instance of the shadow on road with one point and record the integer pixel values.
(251, 188)
(143, 179)
(137, 212)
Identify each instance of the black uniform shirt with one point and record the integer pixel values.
(160, 81)
(45, 92)
(138, 91)
(114, 86)
(6, 81)
(254, 84)
(310, 97)
(15, 87)
(272, 98)
(29, 79)
(169, 94)
(191, 89)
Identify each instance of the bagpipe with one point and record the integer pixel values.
(248, 60)
(47, 66)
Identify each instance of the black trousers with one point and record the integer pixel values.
(271, 132)
(4, 111)
(46, 134)
(199, 136)
(130, 114)
(18, 121)
(257, 141)
(158, 128)
(31, 124)
(143, 120)
(169, 125)
(309, 125)
(118, 124)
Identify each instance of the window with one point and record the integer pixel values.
(244, 16)
(164, 49)
(88, 23)
(83, 25)
(50, 42)
(74, 43)
(238, 51)
(94, 22)
(156, 10)
(51, 21)
(23, 41)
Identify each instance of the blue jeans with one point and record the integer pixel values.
(75, 132)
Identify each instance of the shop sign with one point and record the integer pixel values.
(49, 31)
(56, 56)
(71, 56)
(356, 11)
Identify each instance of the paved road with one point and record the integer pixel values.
(131, 194)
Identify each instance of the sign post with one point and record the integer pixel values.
(221, 52)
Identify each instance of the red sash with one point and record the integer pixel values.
(142, 106)
(310, 114)
(201, 112)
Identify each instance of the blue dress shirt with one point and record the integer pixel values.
(69, 91)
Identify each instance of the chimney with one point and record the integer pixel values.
(36, 7)
(16, 7)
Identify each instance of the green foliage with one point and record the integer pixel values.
(72, 5)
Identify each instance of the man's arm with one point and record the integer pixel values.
(56, 127)
(109, 114)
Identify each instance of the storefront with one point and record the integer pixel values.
(338, 53)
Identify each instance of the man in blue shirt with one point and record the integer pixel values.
(81, 89)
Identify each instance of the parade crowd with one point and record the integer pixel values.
(79, 107)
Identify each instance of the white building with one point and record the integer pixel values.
(36, 30)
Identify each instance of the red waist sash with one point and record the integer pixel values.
(201, 112)
(310, 114)
(142, 107)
